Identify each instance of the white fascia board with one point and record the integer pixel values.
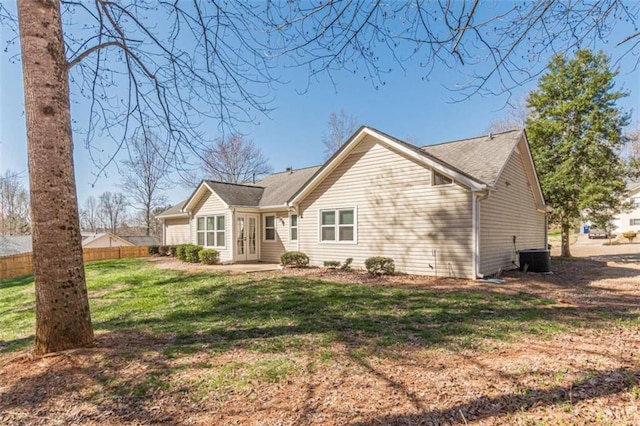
(173, 216)
(525, 151)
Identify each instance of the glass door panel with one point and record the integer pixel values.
(252, 235)
(240, 236)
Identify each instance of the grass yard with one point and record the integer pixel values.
(174, 347)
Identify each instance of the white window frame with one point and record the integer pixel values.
(215, 230)
(264, 227)
(635, 202)
(337, 226)
(634, 221)
(291, 227)
(433, 179)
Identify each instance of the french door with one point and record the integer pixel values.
(246, 232)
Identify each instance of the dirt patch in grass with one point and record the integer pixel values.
(588, 375)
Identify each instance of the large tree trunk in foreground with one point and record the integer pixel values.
(63, 320)
(565, 248)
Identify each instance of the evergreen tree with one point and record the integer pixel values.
(576, 136)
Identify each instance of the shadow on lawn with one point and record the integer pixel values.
(100, 375)
(592, 385)
(245, 313)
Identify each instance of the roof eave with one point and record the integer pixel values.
(172, 216)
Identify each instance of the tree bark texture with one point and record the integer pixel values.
(565, 248)
(63, 320)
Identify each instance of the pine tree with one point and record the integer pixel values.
(576, 136)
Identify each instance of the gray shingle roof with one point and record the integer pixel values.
(10, 245)
(482, 158)
(141, 240)
(177, 209)
(237, 194)
(279, 187)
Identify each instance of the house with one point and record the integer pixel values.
(108, 239)
(629, 218)
(459, 209)
(11, 245)
(141, 240)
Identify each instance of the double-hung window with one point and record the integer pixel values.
(293, 227)
(270, 228)
(634, 222)
(210, 231)
(338, 225)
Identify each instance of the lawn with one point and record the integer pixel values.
(179, 348)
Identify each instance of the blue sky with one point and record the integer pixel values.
(406, 106)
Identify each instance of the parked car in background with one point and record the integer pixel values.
(595, 232)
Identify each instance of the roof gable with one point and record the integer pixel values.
(95, 237)
(408, 150)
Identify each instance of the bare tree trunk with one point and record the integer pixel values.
(565, 249)
(63, 320)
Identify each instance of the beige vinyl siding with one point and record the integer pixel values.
(209, 205)
(510, 210)
(625, 221)
(272, 250)
(426, 230)
(176, 231)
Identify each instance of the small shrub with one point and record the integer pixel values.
(163, 250)
(173, 251)
(153, 249)
(181, 252)
(296, 259)
(209, 256)
(379, 265)
(346, 266)
(629, 235)
(331, 264)
(192, 253)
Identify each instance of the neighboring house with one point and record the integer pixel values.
(141, 240)
(103, 239)
(11, 245)
(22, 244)
(629, 219)
(459, 209)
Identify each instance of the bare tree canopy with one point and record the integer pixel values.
(14, 205)
(339, 128)
(112, 208)
(234, 159)
(514, 117)
(178, 66)
(90, 215)
(146, 175)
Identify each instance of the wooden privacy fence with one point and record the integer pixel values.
(22, 264)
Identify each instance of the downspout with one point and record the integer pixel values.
(476, 232)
